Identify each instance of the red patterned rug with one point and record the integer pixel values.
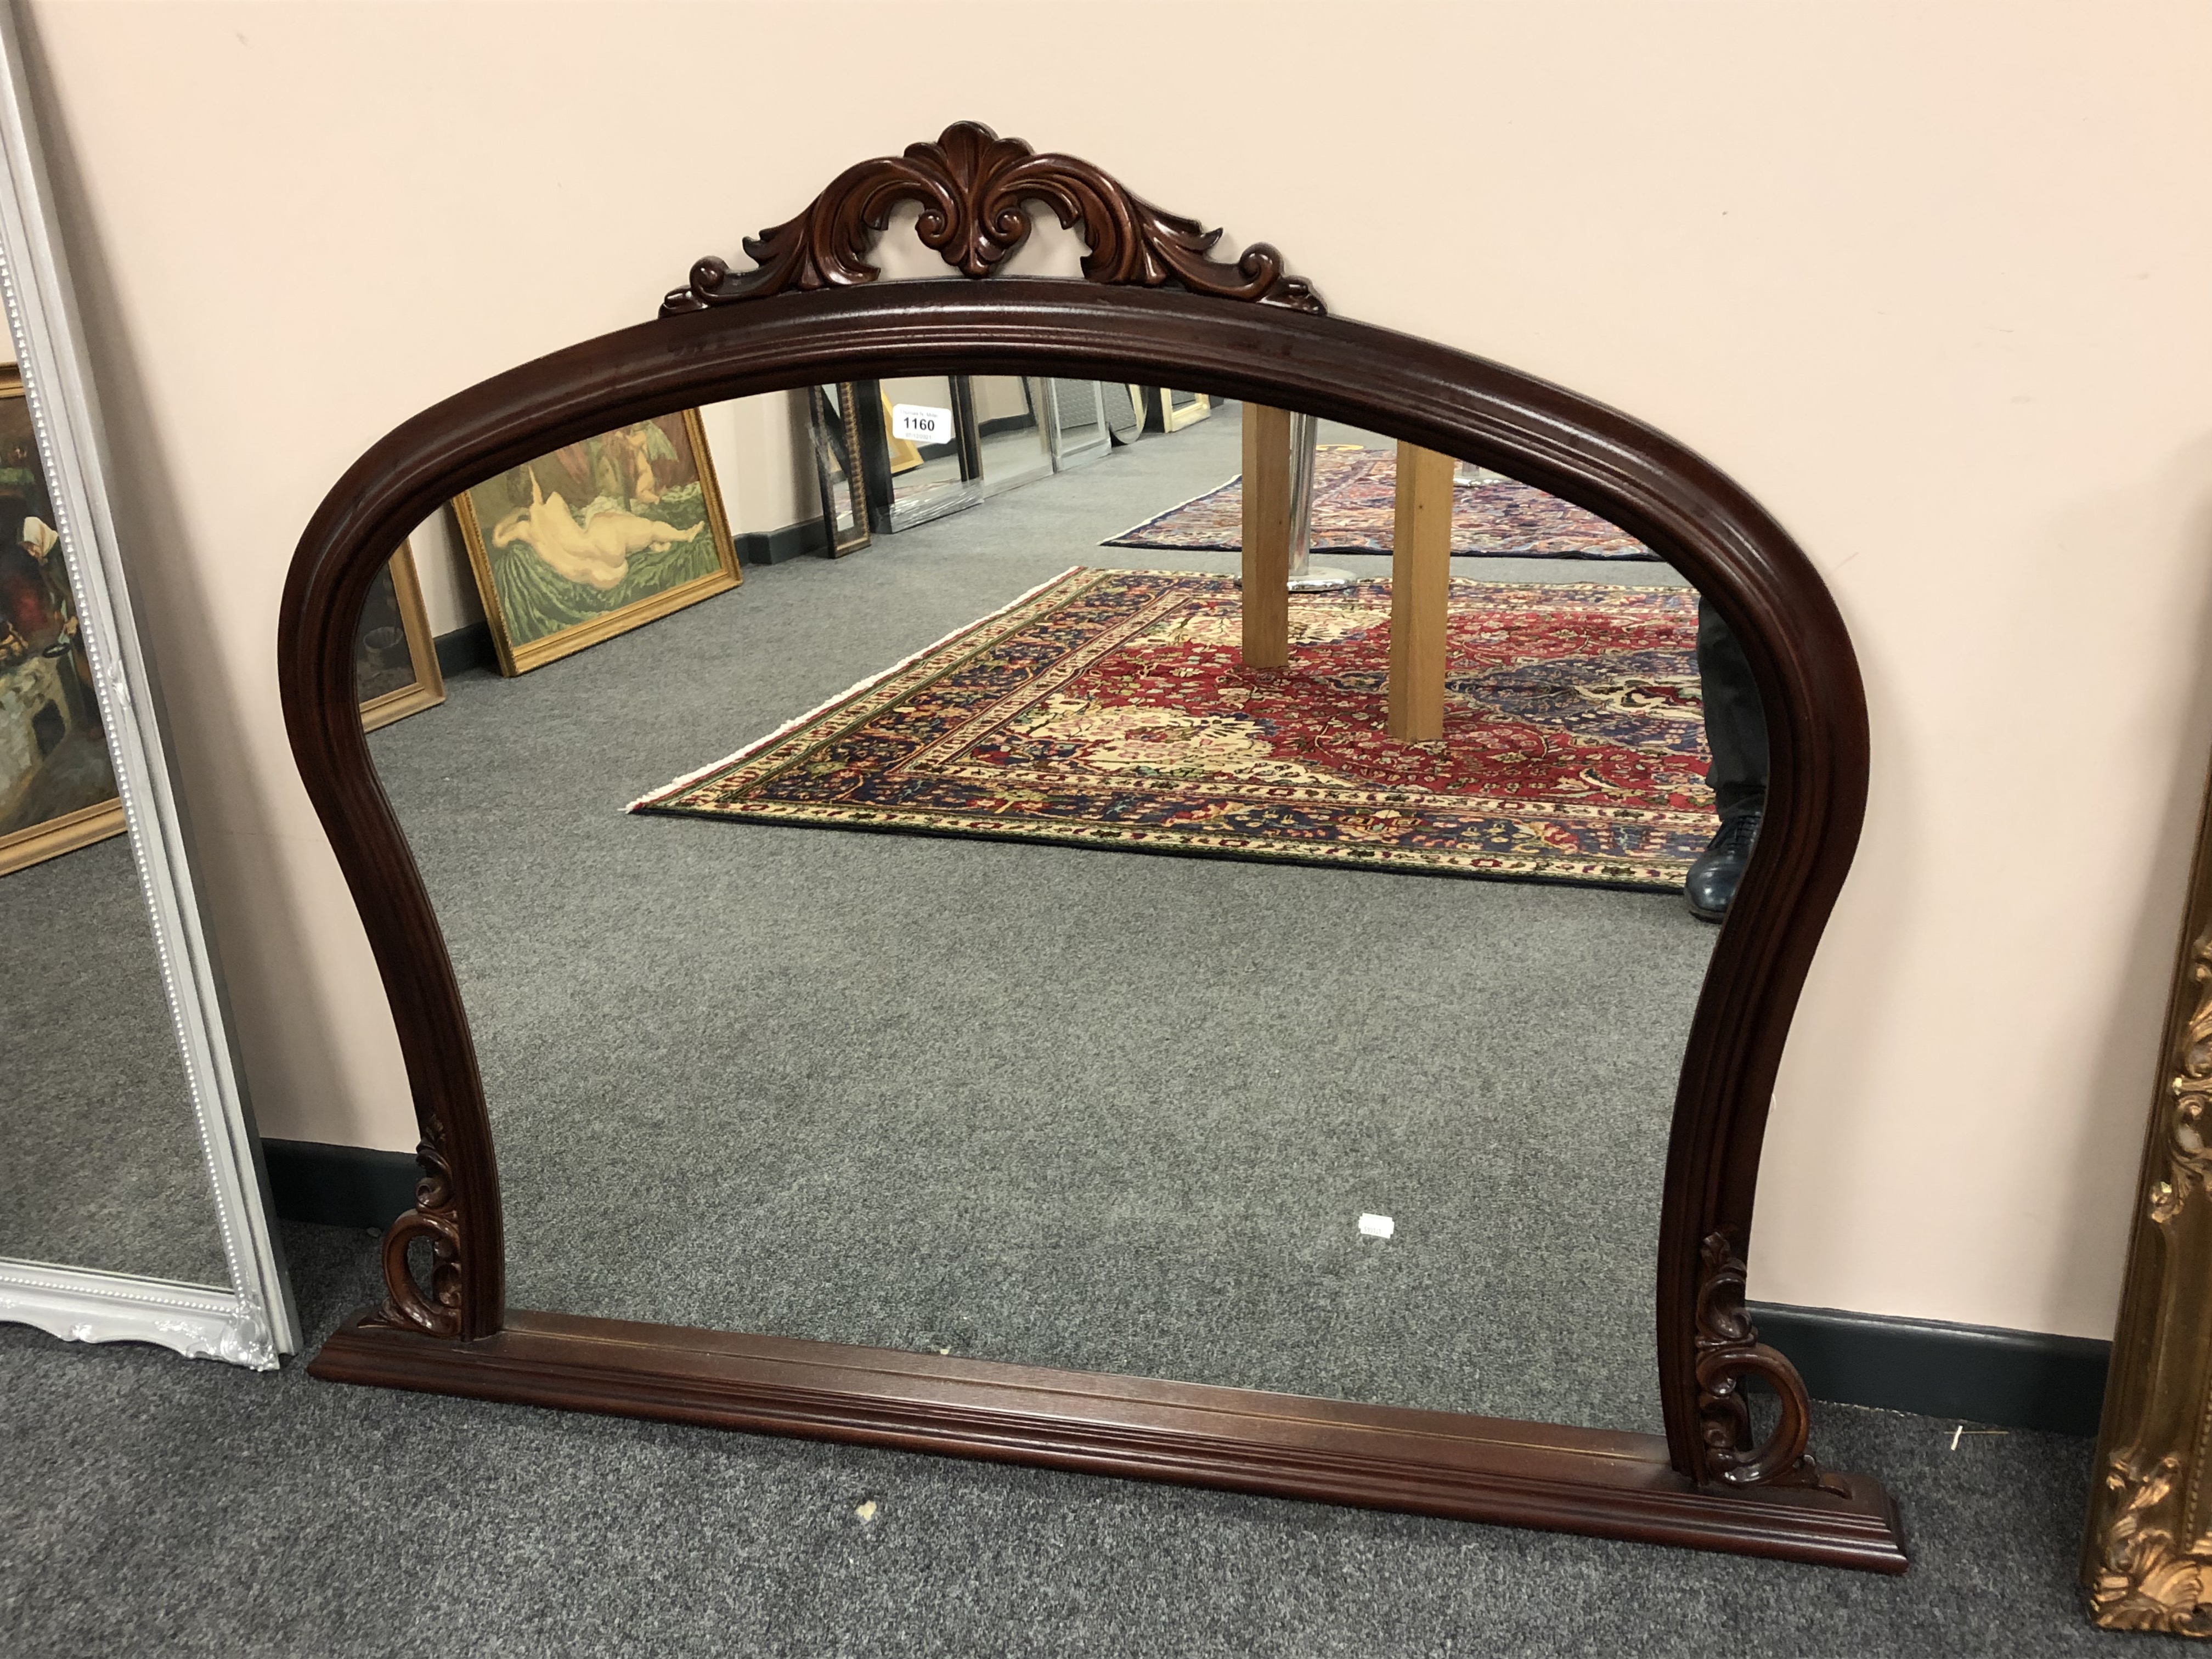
(1355, 510)
(1109, 708)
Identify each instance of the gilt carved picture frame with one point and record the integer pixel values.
(1154, 307)
(2147, 1560)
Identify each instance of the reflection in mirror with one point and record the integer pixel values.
(1011, 430)
(597, 539)
(1175, 410)
(871, 1024)
(929, 449)
(1080, 431)
(395, 660)
(834, 428)
(103, 1169)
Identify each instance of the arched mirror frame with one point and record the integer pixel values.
(1154, 307)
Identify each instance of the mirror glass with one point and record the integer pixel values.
(929, 447)
(1011, 427)
(994, 964)
(834, 426)
(1078, 428)
(104, 1168)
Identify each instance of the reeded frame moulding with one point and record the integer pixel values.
(1155, 309)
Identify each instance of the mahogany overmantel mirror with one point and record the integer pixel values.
(1328, 1156)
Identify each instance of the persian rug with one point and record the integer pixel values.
(1355, 510)
(1109, 708)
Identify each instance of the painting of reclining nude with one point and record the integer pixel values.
(596, 538)
(56, 786)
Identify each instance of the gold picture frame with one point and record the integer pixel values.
(542, 602)
(46, 696)
(1157, 411)
(1174, 417)
(2147, 1559)
(835, 426)
(395, 601)
(56, 836)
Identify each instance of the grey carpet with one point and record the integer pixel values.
(103, 1167)
(1066, 1106)
(154, 1506)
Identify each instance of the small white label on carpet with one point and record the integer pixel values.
(1377, 1226)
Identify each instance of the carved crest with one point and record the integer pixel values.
(976, 188)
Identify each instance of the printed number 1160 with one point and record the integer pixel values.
(919, 424)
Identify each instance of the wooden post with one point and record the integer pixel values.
(1267, 537)
(1420, 594)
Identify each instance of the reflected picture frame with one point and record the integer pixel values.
(1086, 433)
(1175, 416)
(837, 475)
(395, 603)
(1159, 412)
(520, 655)
(67, 696)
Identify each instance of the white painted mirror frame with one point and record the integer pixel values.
(252, 1322)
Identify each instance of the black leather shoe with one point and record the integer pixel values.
(1710, 887)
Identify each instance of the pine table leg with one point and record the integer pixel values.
(1420, 592)
(1267, 537)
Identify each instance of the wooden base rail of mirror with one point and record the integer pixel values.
(1596, 1481)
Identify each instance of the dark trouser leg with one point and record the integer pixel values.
(1735, 721)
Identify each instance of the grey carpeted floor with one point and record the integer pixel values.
(103, 1167)
(154, 1506)
(1073, 1107)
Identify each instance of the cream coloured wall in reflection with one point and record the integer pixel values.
(1929, 281)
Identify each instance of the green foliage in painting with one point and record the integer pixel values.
(538, 601)
(594, 528)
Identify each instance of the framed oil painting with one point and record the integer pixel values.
(597, 539)
(57, 784)
(395, 661)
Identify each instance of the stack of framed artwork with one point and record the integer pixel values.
(997, 432)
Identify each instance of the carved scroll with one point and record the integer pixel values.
(1729, 1350)
(436, 1217)
(2189, 1162)
(974, 189)
(2144, 1581)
